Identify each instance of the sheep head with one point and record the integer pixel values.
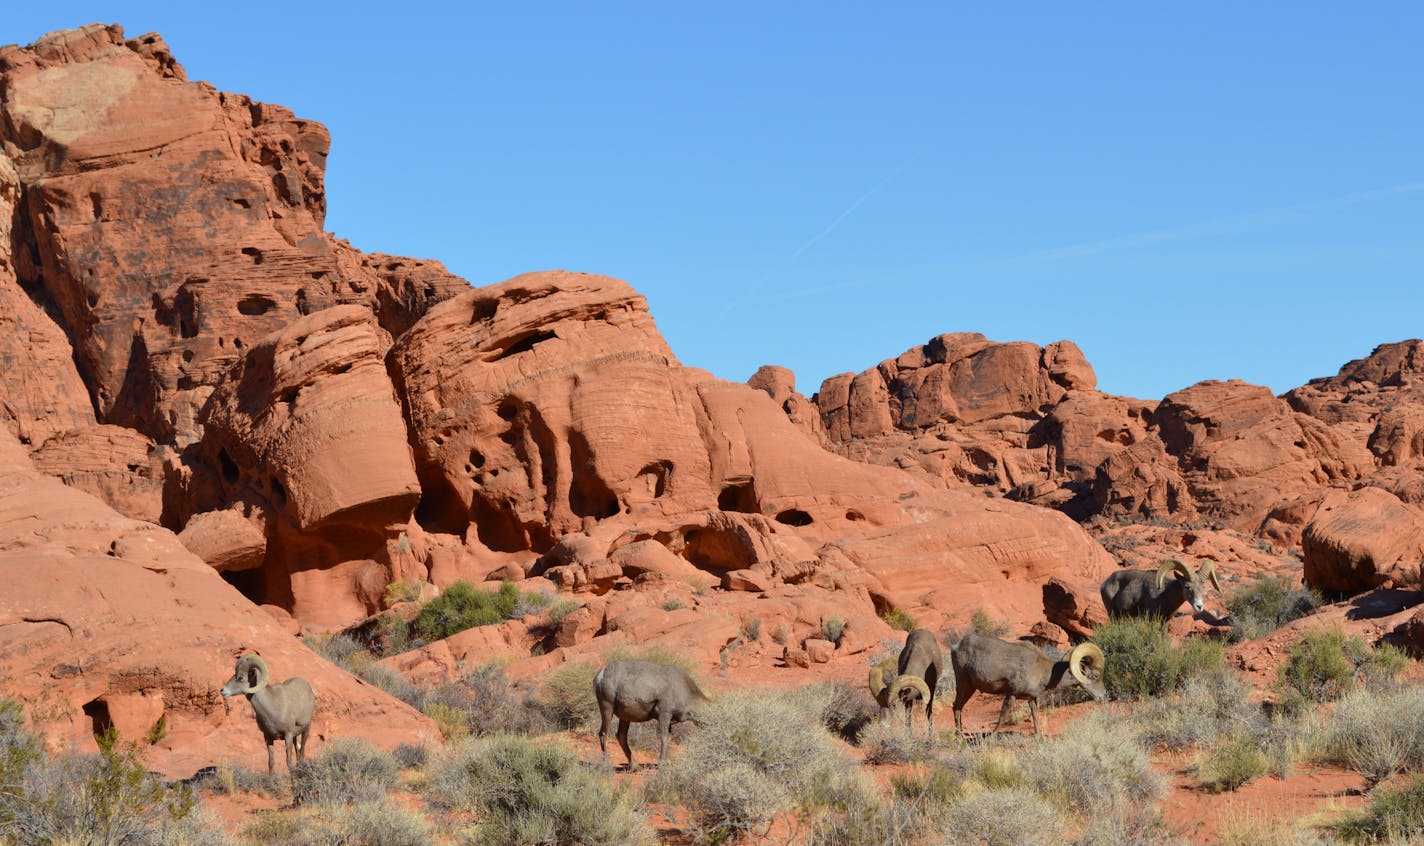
(248, 677)
(1086, 662)
(1193, 583)
(907, 690)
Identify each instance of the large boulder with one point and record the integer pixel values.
(1363, 539)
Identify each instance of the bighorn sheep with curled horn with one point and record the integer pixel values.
(882, 676)
(283, 710)
(919, 668)
(638, 691)
(1019, 671)
(1142, 593)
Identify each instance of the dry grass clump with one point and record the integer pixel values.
(1269, 603)
(1374, 733)
(892, 742)
(843, 708)
(527, 791)
(755, 756)
(367, 823)
(349, 769)
(1094, 768)
(1230, 763)
(1012, 815)
(1394, 814)
(1326, 664)
(483, 702)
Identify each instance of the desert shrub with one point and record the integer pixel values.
(892, 742)
(483, 702)
(410, 757)
(781, 634)
(832, 628)
(899, 620)
(232, 778)
(1014, 815)
(1093, 768)
(1248, 829)
(396, 685)
(525, 791)
(1142, 660)
(751, 629)
(870, 821)
(1270, 603)
(1215, 704)
(100, 799)
(844, 709)
(1374, 733)
(530, 602)
(1230, 763)
(341, 650)
(983, 624)
(560, 609)
(401, 591)
(349, 769)
(1317, 669)
(1393, 813)
(753, 757)
(463, 606)
(673, 603)
(372, 823)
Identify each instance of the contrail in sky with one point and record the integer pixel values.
(847, 213)
(1204, 228)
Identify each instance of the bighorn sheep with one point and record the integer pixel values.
(1142, 593)
(1019, 671)
(638, 691)
(920, 666)
(283, 710)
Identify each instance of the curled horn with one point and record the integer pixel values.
(1169, 566)
(1208, 571)
(251, 661)
(877, 681)
(1090, 651)
(913, 682)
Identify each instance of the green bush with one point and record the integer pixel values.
(754, 756)
(525, 791)
(1270, 603)
(983, 624)
(899, 620)
(1231, 763)
(1393, 814)
(1317, 669)
(372, 823)
(463, 606)
(1142, 660)
(349, 769)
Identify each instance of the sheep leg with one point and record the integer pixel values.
(664, 730)
(271, 759)
(1033, 712)
(302, 743)
(961, 696)
(287, 743)
(623, 741)
(605, 710)
(1004, 711)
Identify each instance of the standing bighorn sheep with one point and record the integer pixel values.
(1019, 671)
(1142, 593)
(283, 710)
(638, 691)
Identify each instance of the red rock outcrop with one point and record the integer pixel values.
(1363, 539)
(108, 620)
(170, 226)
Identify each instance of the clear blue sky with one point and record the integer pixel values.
(1206, 191)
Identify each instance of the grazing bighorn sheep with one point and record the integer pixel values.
(1019, 671)
(920, 666)
(638, 691)
(283, 710)
(1142, 593)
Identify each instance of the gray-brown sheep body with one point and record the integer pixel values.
(1019, 671)
(283, 710)
(638, 691)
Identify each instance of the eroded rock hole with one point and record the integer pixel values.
(739, 496)
(249, 583)
(99, 720)
(794, 517)
(229, 468)
(524, 344)
(477, 458)
(241, 203)
(656, 477)
(97, 203)
(255, 304)
(253, 253)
